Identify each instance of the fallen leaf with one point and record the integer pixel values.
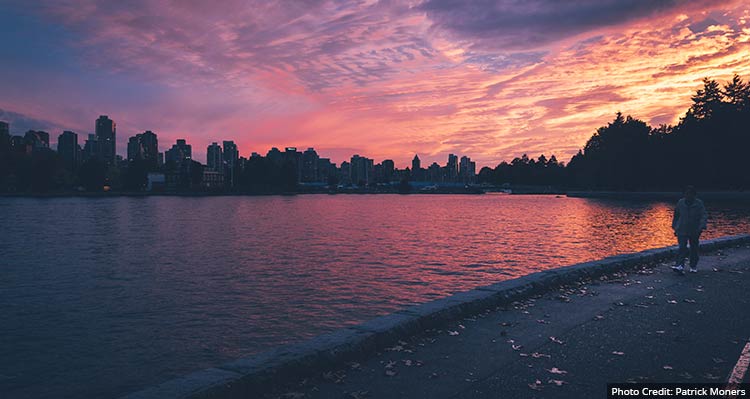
(358, 394)
(407, 362)
(598, 317)
(667, 367)
(517, 347)
(396, 348)
(537, 355)
(688, 300)
(537, 385)
(718, 360)
(618, 353)
(555, 370)
(390, 373)
(461, 326)
(452, 332)
(559, 383)
(660, 331)
(686, 375)
(540, 321)
(672, 301)
(555, 340)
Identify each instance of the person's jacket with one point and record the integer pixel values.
(689, 219)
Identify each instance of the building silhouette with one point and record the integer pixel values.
(215, 158)
(361, 170)
(91, 148)
(231, 159)
(181, 151)
(310, 165)
(68, 149)
(106, 135)
(144, 147)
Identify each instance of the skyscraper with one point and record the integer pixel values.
(135, 150)
(361, 170)
(150, 145)
(106, 136)
(91, 148)
(416, 169)
(180, 151)
(215, 158)
(452, 168)
(144, 147)
(67, 147)
(231, 157)
(310, 165)
(4, 136)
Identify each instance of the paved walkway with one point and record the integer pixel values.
(650, 325)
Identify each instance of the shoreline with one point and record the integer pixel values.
(256, 374)
(615, 195)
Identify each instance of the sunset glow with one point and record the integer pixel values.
(491, 79)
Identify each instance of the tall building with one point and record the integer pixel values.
(452, 168)
(91, 148)
(150, 145)
(67, 148)
(361, 170)
(215, 158)
(135, 149)
(35, 140)
(4, 136)
(144, 147)
(106, 136)
(310, 166)
(417, 173)
(388, 170)
(180, 151)
(231, 158)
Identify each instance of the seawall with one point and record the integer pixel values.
(245, 376)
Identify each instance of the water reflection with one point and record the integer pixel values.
(92, 287)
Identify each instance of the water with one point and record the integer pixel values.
(105, 296)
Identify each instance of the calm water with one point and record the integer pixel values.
(102, 297)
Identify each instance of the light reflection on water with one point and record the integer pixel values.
(106, 296)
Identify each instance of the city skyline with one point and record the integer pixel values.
(491, 78)
(145, 146)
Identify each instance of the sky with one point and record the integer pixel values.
(491, 79)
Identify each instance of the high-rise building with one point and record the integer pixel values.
(144, 147)
(417, 174)
(452, 168)
(361, 170)
(91, 148)
(180, 151)
(35, 140)
(215, 158)
(67, 148)
(231, 159)
(4, 136)
(150, 145)
(105, 130)
(135, 149)
(388, 168)
(310, 165)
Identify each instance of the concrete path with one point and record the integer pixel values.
(649, 325)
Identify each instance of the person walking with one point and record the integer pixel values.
(688, 223)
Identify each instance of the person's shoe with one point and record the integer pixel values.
(679, 269)
(693, 270)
